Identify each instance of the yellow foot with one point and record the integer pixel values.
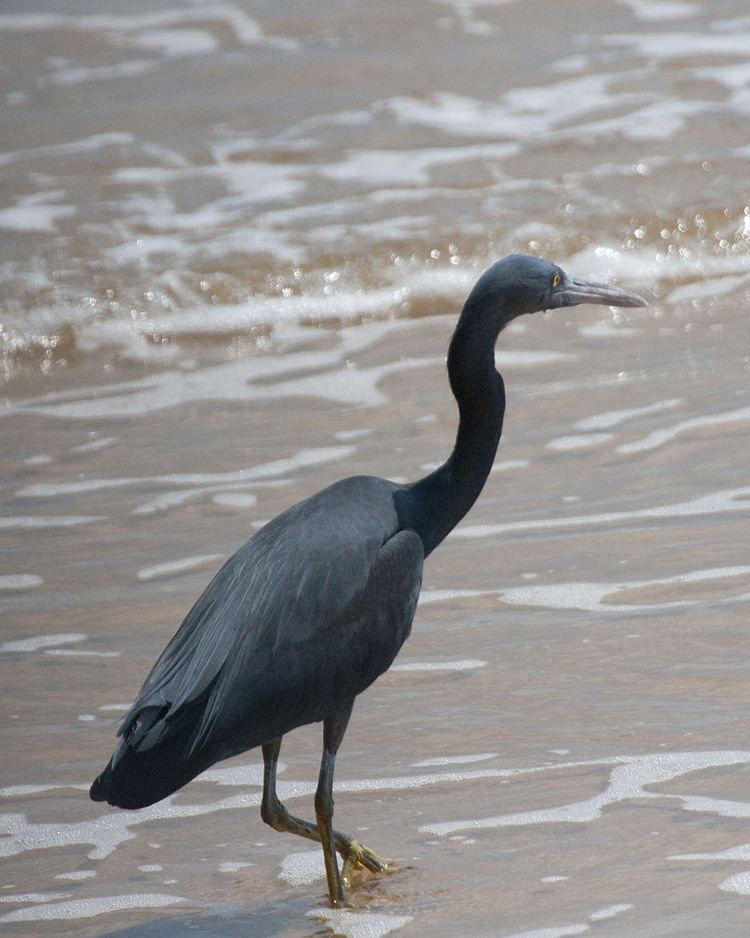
(357, 857)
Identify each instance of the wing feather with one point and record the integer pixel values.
(266, 614)
(325, 667)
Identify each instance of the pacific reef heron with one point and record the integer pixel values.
(316, 604)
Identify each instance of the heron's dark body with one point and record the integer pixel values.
(245, 665)
(312, 608)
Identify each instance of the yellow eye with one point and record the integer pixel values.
(556, 280)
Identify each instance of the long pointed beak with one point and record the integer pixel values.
(573, 292)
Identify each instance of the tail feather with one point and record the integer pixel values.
(98, 790)
(136, 777)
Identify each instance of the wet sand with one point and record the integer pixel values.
(235, 242)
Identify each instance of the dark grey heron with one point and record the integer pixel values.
(315, 605)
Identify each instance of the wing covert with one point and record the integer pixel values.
(299, 572)
(305, 681)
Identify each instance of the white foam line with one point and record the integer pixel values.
(230, 381)
(33, 897)
(565, 444)
(105, 833)
(76, 875)
(19, 581)
(734, 76)
(50, 489)
(346, 386)
(379, 168)
(21, 791)
(453, 760)
(352, 434)
(90, 447)
(520, 113)
(237, 774)
(614, 418)
(78, 75)
(174, 567)
(611, 911)
(739, 883)
(663, 46)
(25, 217)
(244, 27)
(168, 500)
(649, 10)
(227, 381)
(529, 358)
(301, 869)
(233, 866)
(245, 379)
(234, 499)
(551, 931)
(275, 309)
(222, 494)
(660, 437)
(359, 924)
(466, 664)
(658, 121)
(606, 330)
(505, 465)
(627, 782)
(708, 287)
(88, 908)
(47, 521)
(43, 641)
(589, 596)
(86, 145)
(439, 596)
(719, 806)
(278, 467)
(74, 653)
(605, 262)
(709, 504)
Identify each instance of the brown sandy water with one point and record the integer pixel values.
(235, 240)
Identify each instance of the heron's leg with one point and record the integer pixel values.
(334, 728)
(272, 810)
(276, 815)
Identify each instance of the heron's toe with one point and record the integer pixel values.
(360, 857)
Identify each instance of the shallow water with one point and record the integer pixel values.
(235, 239)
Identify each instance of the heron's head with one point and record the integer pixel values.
(520, 284)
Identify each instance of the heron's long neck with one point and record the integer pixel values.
(433, 506)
